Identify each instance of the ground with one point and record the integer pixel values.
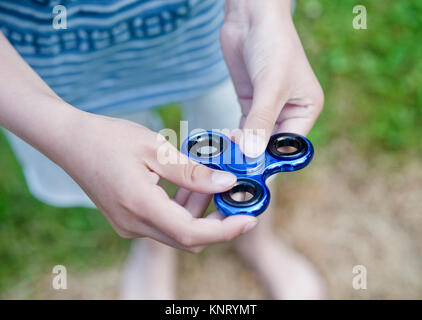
(358, 203)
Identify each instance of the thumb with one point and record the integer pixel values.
(174, 166)
(268, 100)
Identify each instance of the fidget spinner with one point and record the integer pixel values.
(250, 195)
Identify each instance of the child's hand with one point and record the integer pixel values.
(115, 162)
(275, 84)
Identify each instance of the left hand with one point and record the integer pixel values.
(274, 82)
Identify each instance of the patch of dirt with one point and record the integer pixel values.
(357, 213)
(95, 284)
(218, 273)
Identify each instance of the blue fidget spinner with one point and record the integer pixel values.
(285, 152)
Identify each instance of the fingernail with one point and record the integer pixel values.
(254, 145)
(223, 179)
(249, 226)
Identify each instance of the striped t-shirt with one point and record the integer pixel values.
(118, 56)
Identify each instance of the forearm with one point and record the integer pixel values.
(28, 107)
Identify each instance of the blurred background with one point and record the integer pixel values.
(358, 203)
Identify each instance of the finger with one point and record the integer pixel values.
(139, 230)
(232, 48)
(268, 100)
(129, 225)
(300, 115)
(172, 165)
(195, 203)
(181, 196)
(163, 238)
(176, 222)
(215, 215)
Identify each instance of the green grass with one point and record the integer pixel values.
(35, 237)
(371, 79)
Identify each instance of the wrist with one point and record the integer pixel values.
(252, 11)
(252, 5)
(62, 125)
(43, 120)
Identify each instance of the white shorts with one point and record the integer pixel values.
(217, 109)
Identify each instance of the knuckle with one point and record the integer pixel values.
(152, 145)
(152, 149)
(136, 208)
(132, 204)
(132, 208)
(160, 141)
(122, 198)
(163, 151)
(124, 233)
(226, 236)
(195, 250)
(189, 172)
(186, 240)
(319, 99)
(264, 117)
(124, 226)
(126, 201)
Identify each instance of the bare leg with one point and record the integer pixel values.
(150, 271)
(285, 273)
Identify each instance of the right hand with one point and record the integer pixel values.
(115, 163)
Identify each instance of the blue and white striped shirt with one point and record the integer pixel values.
(120, 55)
